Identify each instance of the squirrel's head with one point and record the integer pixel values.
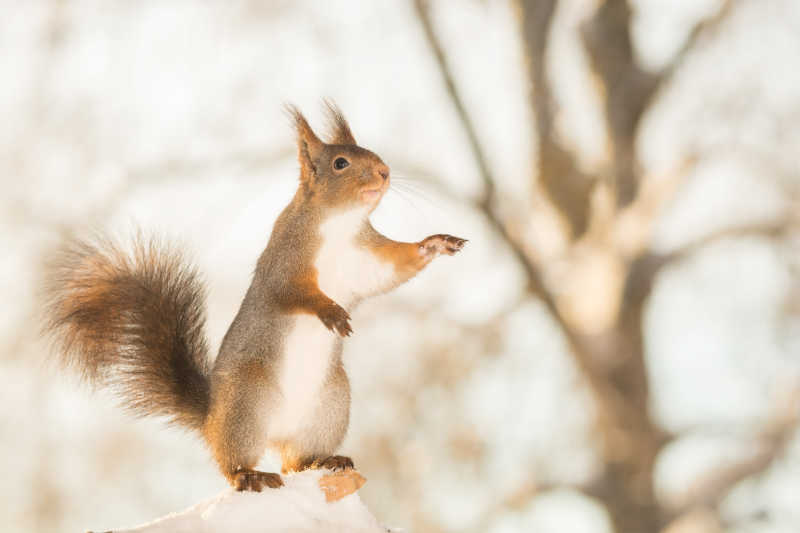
(338, 174)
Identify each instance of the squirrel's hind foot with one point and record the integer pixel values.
(335, 463)
(254, 480)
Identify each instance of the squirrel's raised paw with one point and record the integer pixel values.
(336, 319)
(254, 480)
(441, 244)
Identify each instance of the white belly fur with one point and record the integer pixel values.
(345, 273)
(305, 365)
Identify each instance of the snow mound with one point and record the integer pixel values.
(299, 506)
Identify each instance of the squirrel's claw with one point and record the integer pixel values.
(254, 480)
(343, 329)
(441, 244)
(337, 463)
(336, 319)
(454, 244)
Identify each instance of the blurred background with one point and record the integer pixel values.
(615, 350)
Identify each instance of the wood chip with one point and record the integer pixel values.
(337, 485)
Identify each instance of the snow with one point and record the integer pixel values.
(297, 507)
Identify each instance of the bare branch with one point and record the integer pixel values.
(537, 17)
(567, 187)
(536, 283)
(487, 201)
(769, 229)
(631, 230)
(701, 30)
(631, 90)
(698, 520)
(643, 271)
(628, 88)
(466, 121)
(711, 489)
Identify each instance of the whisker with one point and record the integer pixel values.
(420, 192)
(414, 197)
(409, 179)
(404, 195)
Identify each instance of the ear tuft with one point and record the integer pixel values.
(308, 144)
(337, 125)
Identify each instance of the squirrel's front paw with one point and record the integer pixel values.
(441, 244)
(335, 319)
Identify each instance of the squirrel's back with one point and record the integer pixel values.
(134, 321)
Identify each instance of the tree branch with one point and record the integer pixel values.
(567, 187)
(710, 490)
(699, 31)
(463, 117)
(628, 88)
(536, 283)
(644, 270)
(631, 90)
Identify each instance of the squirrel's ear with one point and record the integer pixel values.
(339, 129)
(309, 146)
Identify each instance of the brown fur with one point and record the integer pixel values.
(136, 322)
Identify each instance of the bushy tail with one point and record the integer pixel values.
(133, 322)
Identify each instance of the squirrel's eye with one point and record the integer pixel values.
(340, 163)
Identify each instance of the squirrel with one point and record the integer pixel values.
(135, 321)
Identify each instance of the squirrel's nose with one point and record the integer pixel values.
(383, 172)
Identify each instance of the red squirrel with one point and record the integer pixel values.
(135, 322)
